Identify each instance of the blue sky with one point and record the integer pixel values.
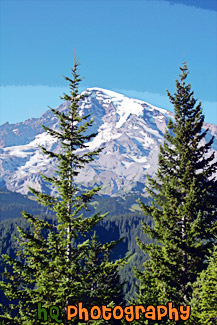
(134, 47)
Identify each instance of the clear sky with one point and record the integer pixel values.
(134, 47)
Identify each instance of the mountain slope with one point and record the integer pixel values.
(130, 131)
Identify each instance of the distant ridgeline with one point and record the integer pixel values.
(123, 220)
(12, 204)
(130, 131)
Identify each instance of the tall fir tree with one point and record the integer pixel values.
(184, 205)
(59, 264)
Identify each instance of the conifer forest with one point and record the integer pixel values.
(76, 256)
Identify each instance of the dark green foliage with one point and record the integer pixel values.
(111, 228)
(58, 263)
(12, 204)
(204, 300)
(103, 276)
(185, 206)
(121, 222)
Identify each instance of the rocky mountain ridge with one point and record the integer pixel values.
(130, 131)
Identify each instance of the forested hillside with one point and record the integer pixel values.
(123, 221)
(73, 244)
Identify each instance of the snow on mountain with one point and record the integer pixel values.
(130, 131)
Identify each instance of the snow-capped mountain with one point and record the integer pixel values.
(130, 131)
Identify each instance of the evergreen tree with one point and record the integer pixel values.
(58, 265)
(204, 300)
(184, 205)
(103, 276)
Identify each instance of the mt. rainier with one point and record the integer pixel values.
(130, 131)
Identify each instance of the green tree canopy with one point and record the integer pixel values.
(184, 205)
(204, 300)
(59, 264)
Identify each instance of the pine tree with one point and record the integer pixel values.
(184, 205)
(204, 300)
(99, 268)
(58, 263)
